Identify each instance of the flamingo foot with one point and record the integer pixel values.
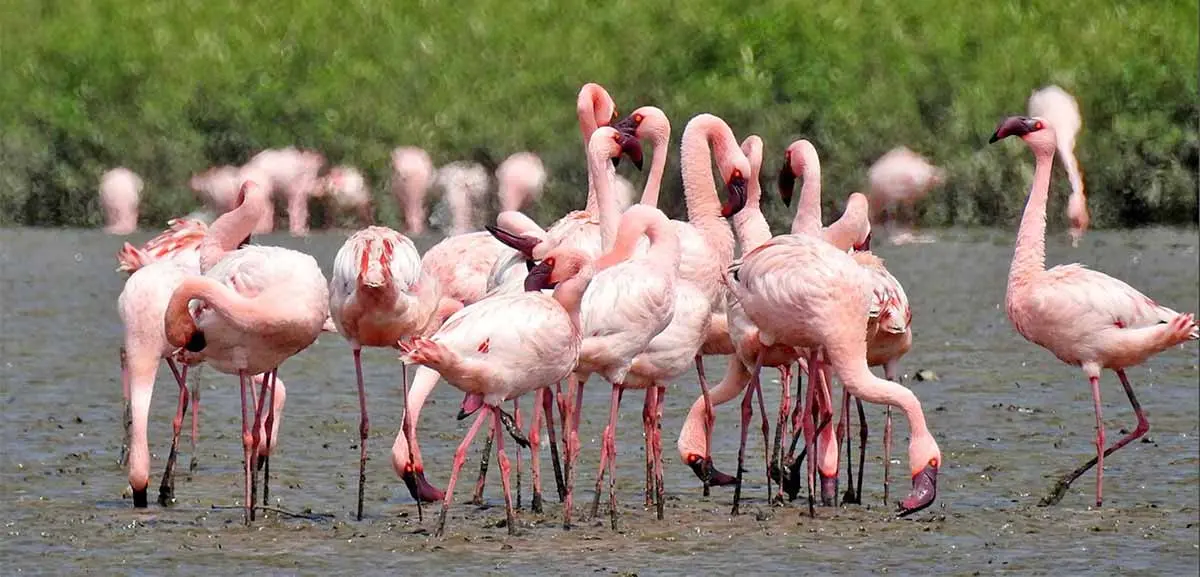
(829, 490)
(924, 491)
(421, 489)
(704, 470)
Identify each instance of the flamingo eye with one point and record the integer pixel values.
(638, 118)
(933, 462)
(737, 173)
(549, 262)
(1038, 125)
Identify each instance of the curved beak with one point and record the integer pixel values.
(471, 403)
(924, 491)
(1011, 126)
(420, 488)
(626, 126)
(520, 243)
(539, 278)
(704, 469)
(786, 182)
(631, 147)
(736, 187)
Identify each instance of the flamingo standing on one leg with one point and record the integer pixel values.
(462, 264)
(503, 347)
(1062, 112)
(1086, 318)
(119, 191)
(262, 305)
(520, 179)
(377, 297)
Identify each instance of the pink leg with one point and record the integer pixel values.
(268, 426)
(535, 445)
(774, 467)
(709, 421)
(571, 438)
(659, 488)
(126, 411)
(509, 514)
(606, 449)
(647, 432)
(747, 412)
(612, 456)
(460, 456)
(256, 440)
(166, 491)
(247, 441)
(364, 426)
(1095, 381)
(548, 410)
(766, 433)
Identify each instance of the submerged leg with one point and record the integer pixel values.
(460, 456)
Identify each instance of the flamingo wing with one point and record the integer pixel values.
(1073, 287)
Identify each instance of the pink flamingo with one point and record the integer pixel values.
(902, 177)
(1062, 112)
(503, 347)
(801, 291)
(462, 265)
(142, 306)
(217, 187)
(1086, 318)
(520, 177)
(463, 184)
(292, 172)
(179, 243)
(412, 175)
(261, 305)
(377, 297)
(119, 191)
(848, 232)
(349, 192)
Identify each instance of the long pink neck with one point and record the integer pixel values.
(230, 229)
(600, 175)
(569, 294)
(849, 361)
(658, 165)
(1029, 259)
(703, 204)
(591, 108)
(808, 214)
(749, 223)
(664, 243)
(242, 312)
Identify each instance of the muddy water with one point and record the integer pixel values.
(1008, 416)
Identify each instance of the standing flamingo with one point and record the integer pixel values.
(801, 291)
(378, 296)
(119, 191)
(520, 178)
(412, 175)
(503, 347)
(902, 177)
(261, 305)
(851, 230)
(463, 185)
(462, 265)
(1084, 317)
(291, 172)
(349, 192)
(217, 187)
(1062, 112)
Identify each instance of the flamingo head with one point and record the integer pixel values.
(630, 146)
(795, 159)
(560, 265)
(1035, 131)
(647, 122)
(523, 244)
(865, 245)
(925, 458)
(735, 186)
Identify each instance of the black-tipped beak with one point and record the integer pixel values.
(245, 241)
(1012, 126)
(539, 278)
(197, 343)
(529, 264)
(787, 182)
(704, 469)
(420, 488)
(626, 126)
(736, 187)
(924, 491)
(631, 147)
(522, 244)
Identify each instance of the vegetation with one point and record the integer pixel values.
(169, 88)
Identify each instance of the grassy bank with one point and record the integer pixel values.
(168, 88)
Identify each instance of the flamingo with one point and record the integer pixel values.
(349, 191)
(848, 232)
(1062, 112)
(179, 243)
(292, 172)
(119, 191)
(378, 295)
(801, 291)
(503, 347)
(142, 305)
(1085, 318)
(462, 265)
(412, 174)
(217, 187)
(902, 177)
(262, 305)
(520, 177)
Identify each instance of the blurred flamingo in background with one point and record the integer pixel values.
(291, 172)
(217, 187)
(1059, 108)
(520, 179)
(412, 175)
(902, 177)
(119, 192)
(260, 306)
(503, 347)
(463, 184)
(348, 192)
(378, 296)
(1085, 318)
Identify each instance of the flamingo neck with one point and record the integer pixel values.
(228, 231)
(569, 295)
(808, 213)
(658, 165)
(750, 223)
(703, 204)
(1029, 258)
(180, 325)
(849, 362)
(600, 181)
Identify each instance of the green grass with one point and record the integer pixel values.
(168, 88)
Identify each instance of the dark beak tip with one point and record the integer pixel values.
(995, 137)
(462, 414)
(924, 492)
(196, 343)
(616, 160)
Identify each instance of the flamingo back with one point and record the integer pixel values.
(179, 243)
(889, 304)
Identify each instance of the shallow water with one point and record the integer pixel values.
(1009, 418)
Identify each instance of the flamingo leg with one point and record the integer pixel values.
(862, 449)
(256, 439)
(889, 372)
(535, 445)
(647, 424)
(564, 411)
(1143, 426)
(484, 457)
(247, 441)
(605, 450)
(571, 438)
(517, 420)
(510, 515)
(766, 433)
(612, 456)
(814, 384)
(127, 410)
(747, 412)
(364, 426)
(774, 468)
(406, 428)
(827, 444)
(268, 426)
(709, 420)
(659, 487)
(548, 410)
(460, 457)
(194, 463)
(166, 490)
(844, 438)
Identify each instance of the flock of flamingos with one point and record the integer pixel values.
(620, 292)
